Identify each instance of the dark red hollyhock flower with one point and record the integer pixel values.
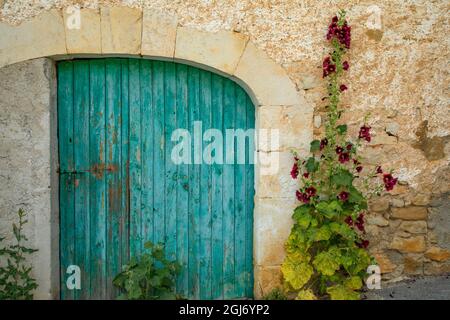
(306, 175)
(328, 67)
(302, 197)
(343, 196)
(294, 171)
(379, 169)
(342, 34)
(389, 181)
(359, 168)
(343, 87)
(364, 133)
(349, 147)
(345, 65)
(349, 221)
(360, 222)
(311, 191)
(344, 157)
(323, 143)
(363, 244)
(339, 150)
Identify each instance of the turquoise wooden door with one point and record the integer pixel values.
(120, 188)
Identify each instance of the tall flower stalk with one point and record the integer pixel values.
(327, 249)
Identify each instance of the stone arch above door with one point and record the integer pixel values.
(123, 31)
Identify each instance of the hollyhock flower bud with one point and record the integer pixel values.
(323, 143)
(294, 171)
(306, 175)
(328, 67)
(345, 65)
(363, 244)
(349, 221)
(349, 147)
(379, 169)
(343, 196)
(343, 87)
(359, 168)
(344, 157)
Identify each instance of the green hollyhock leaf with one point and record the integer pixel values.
(296, 270)
(323, 233)
(342, 179)
(357, 197)
(354, 283)
(302, 216)
(311, 164)
(341, 292)
(315, 146)
(342, 129)
(306, 295)
(329, 209)
(327, 262)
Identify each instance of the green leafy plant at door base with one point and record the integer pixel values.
(148, 277)
(326, 252)
(16, 281)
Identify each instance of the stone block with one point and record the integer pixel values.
(410, 213)
(121, 30)
(221, 50)
(159, 33)
(85, 37)
(40, 37)
(268, 80)
(414, 244)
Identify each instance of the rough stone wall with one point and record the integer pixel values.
(25, 94)
(398, 73)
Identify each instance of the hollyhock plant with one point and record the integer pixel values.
(326, 252)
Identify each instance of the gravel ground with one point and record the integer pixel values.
(424, 288)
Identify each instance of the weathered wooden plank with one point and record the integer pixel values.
(239, 194)
(217, 190)
(124, 227)
(171, 174)
(194, 186)
(67, 199)
(147, 127)
(112, 173)
(249, 201)
(229, 108)
(135, 159)
(182, 186)
(205, 195)
(97, 188)
(158, 153)
(81, 182)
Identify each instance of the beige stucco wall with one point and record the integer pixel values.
(26, 102)
(398, 73)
